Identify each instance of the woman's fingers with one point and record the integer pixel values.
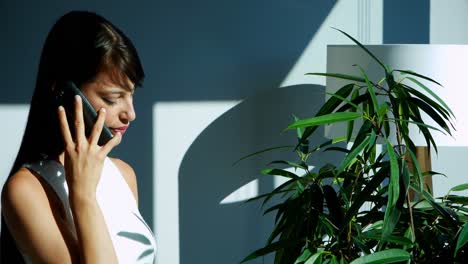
(97, 129)
(79, 123)
(111, 143)
(67, 137)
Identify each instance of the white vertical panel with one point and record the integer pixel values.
(448, 22)
(14, 121)
(176, 125)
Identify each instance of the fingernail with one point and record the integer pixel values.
(60, 108)
(77, 97)
(103, 110)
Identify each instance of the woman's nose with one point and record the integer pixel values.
(128, 114)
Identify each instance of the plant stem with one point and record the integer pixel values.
(413, 233)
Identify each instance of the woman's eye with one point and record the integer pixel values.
(108, 101)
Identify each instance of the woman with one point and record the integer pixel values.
(65, 201)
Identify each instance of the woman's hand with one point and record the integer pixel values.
(84, 158)
(83, 163)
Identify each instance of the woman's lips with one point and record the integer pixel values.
(120, 129)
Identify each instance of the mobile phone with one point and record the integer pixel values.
(66, 98)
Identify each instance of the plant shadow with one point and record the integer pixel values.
(215, 232)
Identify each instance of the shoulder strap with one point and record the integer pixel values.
(54, 174)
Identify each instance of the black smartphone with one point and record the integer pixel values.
(66, 92)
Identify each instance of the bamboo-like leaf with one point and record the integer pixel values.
(428, 100)
(333, 102)
(350, 102)
(463, 200)
(416, 116)
(391, 218)
(338, 76)
(450, 217)
(280, 172)
(303, 257)
(328, 142)
(267, 195)
(372, 139)
(432, 173)
(261, 151)
(277, 190)
(270, 248)
(405, 176)
(351, 123)
(409, 234)
(392, 214)
(383, 109)
(279, 228)
(352, 155)
(383, 257)
(364, 195)
(362, 134)
(333, 205)
(360, 244)
(370, 89)
(426, 133)
(289, 163)
(339, 149)
(393, 190)
(329, 106)
(434, 95)
(417, 123)
(299, 130)
(325, 119)
(349, 130)
(359, 100)
(334, 260)
(315, 259)
(386, 126)
(273, 208)
(364, 48)
(459, 188)
(462, 238)
(431, 112)
(418, 75)
(393, 239)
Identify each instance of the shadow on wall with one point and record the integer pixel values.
(211, 232)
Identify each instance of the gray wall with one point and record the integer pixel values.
(191, 50)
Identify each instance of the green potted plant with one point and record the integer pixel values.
(319, 217)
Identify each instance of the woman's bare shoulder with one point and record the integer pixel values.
(22, 185)
(128, 174)
(30, 212)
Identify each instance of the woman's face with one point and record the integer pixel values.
(117, 100)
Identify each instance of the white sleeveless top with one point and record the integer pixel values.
(132, 238)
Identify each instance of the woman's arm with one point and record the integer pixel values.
(96, 244)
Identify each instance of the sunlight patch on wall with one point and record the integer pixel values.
(362, 19)
(248, 191)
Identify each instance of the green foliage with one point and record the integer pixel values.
(360, 211)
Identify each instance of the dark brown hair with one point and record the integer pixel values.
(80, 45)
